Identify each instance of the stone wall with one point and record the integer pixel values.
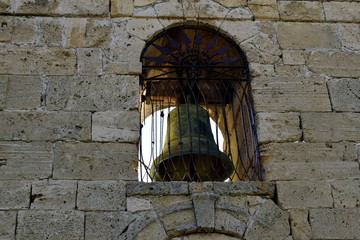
(69, 122)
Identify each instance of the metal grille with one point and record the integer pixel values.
(196, 99)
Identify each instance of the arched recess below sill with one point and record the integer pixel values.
(199, 215)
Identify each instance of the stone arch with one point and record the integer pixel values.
(236, 217)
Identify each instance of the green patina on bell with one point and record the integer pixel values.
(190, 152)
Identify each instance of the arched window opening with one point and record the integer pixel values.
(195, 90)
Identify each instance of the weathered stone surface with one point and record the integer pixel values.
(7, 224)
(282, 94)
(230, 222)
(199, 187)
(260, 49)
(167, 9)
(123, 68)
(101, 195)
(96, 94)
(121, 8)
(23, 92)
(265, 12)
(335, 223)
(206, 236)
(14, 194)
(337, 64)
(106, 225)
(6, 6)
(49, 32)
(6, 28)
(50, 194)
(232, 3)
(26, 60)
(135, 204)
(331, 127)
(95, 161)
(349, 36)
(204, 207)
(120, 126)
(288, 70)
(157, 188)
(300, 227)
(19, 160)
(278, 127)
(304, 194)
(179, 222)
(345, 94)
(63, 7)
(89, 61)
(269, 221)
(143, 28)
(342, 11)
(45, 126)
(313, 170)
(75, 31)
(154, 230)
(293, 57)
(346, 193)
(3, 91)
(141, 3)
(164, 204)
(18, 30)
(307, 36)
(307, 152)
(258, 69)
(301, 10)
(98, 33)
(244, 188)
(50, 225)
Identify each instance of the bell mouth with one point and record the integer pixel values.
(198, 167)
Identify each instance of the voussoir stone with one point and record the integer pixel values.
(95, 161)
(20, 160)
(45, 126)
(54, 225)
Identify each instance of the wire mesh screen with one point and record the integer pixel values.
(197, 119)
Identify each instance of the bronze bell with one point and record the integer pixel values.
(190, 152)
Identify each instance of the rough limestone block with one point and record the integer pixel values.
(7, 224)
(6, 28)
(14, 194)
(308, 36)
(50, 194)
(142, 3)
(6, 6)
(331, 127)
(350, 36)
(337, 64)
(244, 188)
(284, 94)
(98, 33)
(123, 68)
(179, 221)
(265, 12)
(278, 127)
(269, 221)
(157, 188)
(101, 195)
(54, 225)
(342, 11)
(207, 236)
(119, 126)
(199, 187)
(28, 60)
(84, 7)
(258, 69)
(301, 10)
(335, 223)
(37, 7)
(239, 205)
(289, 70)
(49, 32)
(45, 126)
(307, 152)
(232, 3)
(3, 91)
(143, 28)
(229, 222)
(75, 32)
(293, 57)
(19, 160)
(93, 93)
(135, 204)
(261, 49)
(204, 207)
(167, 9)
(23, 92)
(106, 225)
(345, 94)
(346, 193)
(153, 230)
(239, 30)
(300, 226)
(89, 61)
(164, 204)
(95, 161)
(303, 194)
(313, 170)
(120, 8)
(23, 31)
